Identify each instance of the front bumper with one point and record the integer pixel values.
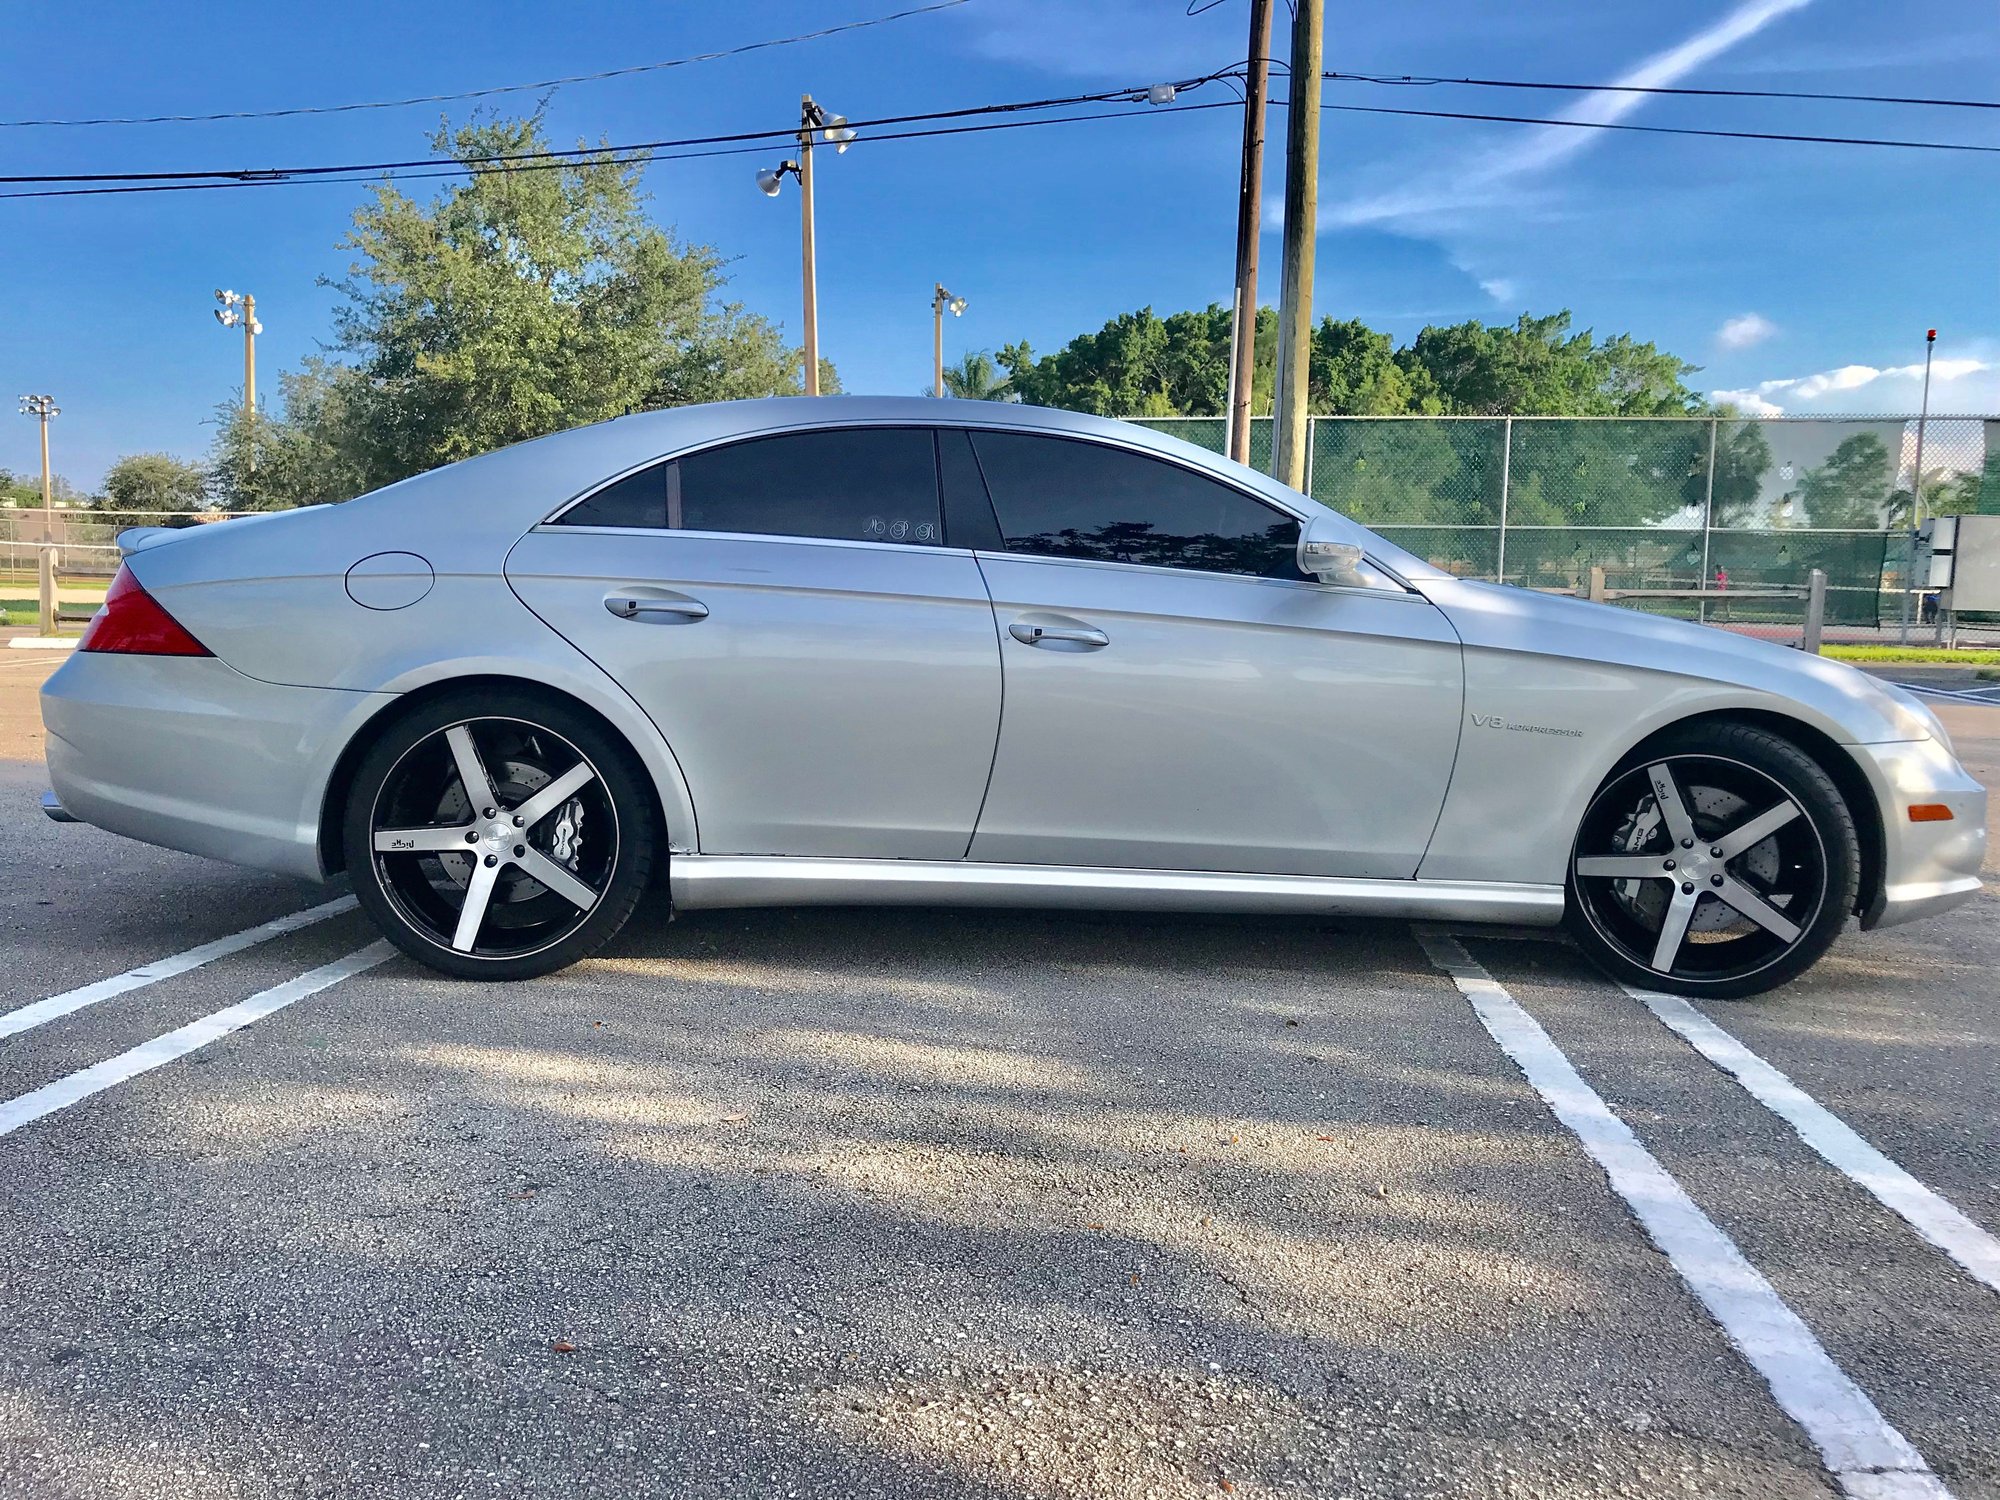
(1927, 867)
(189, 753)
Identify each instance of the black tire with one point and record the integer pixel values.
(413, 833)
(1730, 921)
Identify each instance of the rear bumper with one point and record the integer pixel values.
(1927, 867)
(188, 753)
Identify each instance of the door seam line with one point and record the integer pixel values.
(1000, 721)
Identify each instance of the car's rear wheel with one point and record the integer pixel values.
(498, 835)
(1720, 863)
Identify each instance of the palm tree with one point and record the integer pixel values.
(977, 378)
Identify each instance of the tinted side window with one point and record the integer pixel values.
(861, 485)
(636, 500)
(1062, 498)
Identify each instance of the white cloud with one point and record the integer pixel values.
(1499, 288)
(1867, 388)
(1484, 179)
(1748, 402)
(1741, 333)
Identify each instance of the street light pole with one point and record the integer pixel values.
(941, 300)
(1249, 225)
(250, 351)
(832, 129)
(807, 251)
(1917, 487)
(44, 407)
(241, 310)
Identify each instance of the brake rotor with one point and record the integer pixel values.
(1712, 809)
(514, 782)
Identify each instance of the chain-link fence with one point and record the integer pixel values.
(86, 540)
(1709, 503)
(1716, 504)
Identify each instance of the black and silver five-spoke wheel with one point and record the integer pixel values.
(498, 836)
(1722, 862)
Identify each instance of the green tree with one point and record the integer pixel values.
(1976, 492)
(1742, 459)
(515, 304)
(1537, 367)
(1352, 371)
(155, 482)
(19, 490)
(1851, 490)
(318, 454)
(1138, 364)
(976, 377)
(25, 490)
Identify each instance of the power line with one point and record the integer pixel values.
(485, 93)
(614, 156)
(1423, 81)
(1729, 135)
(113, 183)
(786, 132)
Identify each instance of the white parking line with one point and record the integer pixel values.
(1836, 1141)
(40, 1012)
(1868, 1458)
(164, 1049)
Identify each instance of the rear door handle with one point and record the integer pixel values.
(1030, 634)
(637, 606)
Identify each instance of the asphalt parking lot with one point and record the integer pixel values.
(973, 1205)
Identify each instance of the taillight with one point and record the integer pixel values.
(133, 623)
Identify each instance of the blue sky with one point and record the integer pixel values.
(1800, 277)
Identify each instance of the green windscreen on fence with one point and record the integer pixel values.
(1750, 503)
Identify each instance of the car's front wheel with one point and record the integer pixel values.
(1720, 863)
(497, 835)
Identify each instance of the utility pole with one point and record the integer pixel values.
(807, 252)
(1295, 289)
(1249, 223)
(941, 300)
(44, 407)
(834, 130)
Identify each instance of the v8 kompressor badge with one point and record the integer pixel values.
(1501, 721)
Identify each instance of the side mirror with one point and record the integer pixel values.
(1325, 556)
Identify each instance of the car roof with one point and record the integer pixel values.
(514, 488)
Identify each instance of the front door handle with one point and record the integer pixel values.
(1030, 634)
(636, 606)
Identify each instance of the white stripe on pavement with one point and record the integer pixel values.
(1927, 1213)
(40, 1012)
(1868, 1458)
(164, 1049)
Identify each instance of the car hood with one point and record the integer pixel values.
(1847, 704)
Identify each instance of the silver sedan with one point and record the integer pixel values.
(878, 650)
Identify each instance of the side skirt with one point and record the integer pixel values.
(716, 880)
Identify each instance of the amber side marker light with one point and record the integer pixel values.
(132, 623)
(1929, 812)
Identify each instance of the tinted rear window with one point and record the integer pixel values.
(864, 485)
(871, 484)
